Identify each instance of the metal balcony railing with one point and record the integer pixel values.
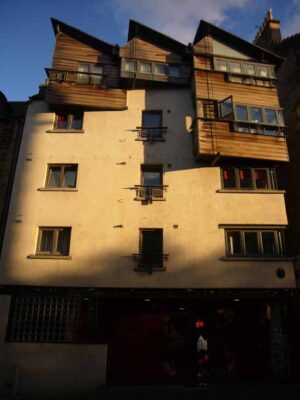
(147, 192)
(150, 262)
(151, 133)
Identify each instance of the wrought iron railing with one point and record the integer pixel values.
(147, 192)
(151, 133)
(150, 262)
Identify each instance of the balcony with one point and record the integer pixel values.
(151, 134)
(83, 89)
(150, 193)
(150, 262)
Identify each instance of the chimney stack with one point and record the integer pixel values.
(268, 35)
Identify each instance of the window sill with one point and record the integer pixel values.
(259, 258)
(57, 189)
(252, 191)
(150, 199)
(49, 257)
(65, 131)
(154, 269)
(150, 140)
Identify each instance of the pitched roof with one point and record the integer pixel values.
(89, 40)
(205, 28)
(144, 32)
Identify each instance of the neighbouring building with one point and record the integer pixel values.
(12, 115)
(145, 241)
(288, 84)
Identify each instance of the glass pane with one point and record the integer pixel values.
(229, 180)
(161, 69)
(245, 178)
(271, 117)
(63, 241)
(236, 79)
(97, 69)
(235, 67)
(145, 67)
(261, 178)
(221, 65)
(248, 69)
(226, 107)
(262, 71)
(69, 179)
(46, 241)
(241, 113)
(272, 72)
(151, 178)
(152, 120)
(242, 127)
(233, 243)
(61, 121)
(251, 243)
(152, 242)
(280, 118)
(129, 65)
(272, 131)
(269, 244)
(54, 176)
(83, 77)
(174, 70)
(256, 114)
(77, 122)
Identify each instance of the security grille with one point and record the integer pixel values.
(44, 319)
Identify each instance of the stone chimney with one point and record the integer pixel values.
(268, 35)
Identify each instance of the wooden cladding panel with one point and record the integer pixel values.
(203, 62)
(205, 45)
(69, 52)
(85, 95)
(215, 137)
(141, 50)
(212, 85)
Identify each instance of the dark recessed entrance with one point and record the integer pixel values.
(175, 341)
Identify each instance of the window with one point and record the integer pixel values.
(152, 124)
(249, 178)
(151, 248)
(54, 241)
(129, 65)
(61, 176)
(174, 70)
(161, 69)
(257, 119)
(252, 242)
(221, 65)
(51, 318)
(145, 67)
(151, 182)
(68, 121)
(90, 73)
(249, 73)
(226, 108)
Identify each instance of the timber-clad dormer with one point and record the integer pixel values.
(84, 72)
(237, 106)
(149, 57)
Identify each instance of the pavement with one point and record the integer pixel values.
(200, 392)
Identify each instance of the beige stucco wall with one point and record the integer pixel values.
(48, 368)
(101, 253)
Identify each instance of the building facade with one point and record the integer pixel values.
(269, 37)
(145, 240)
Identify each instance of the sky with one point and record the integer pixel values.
(27, 38)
